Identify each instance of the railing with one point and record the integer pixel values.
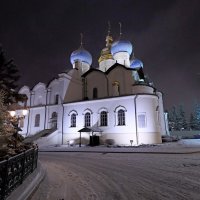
(14, 170)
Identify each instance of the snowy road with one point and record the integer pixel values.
(92, 176)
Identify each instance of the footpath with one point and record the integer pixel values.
(24, 191)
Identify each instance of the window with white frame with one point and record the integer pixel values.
(87, 119)
(37, 120)
(142, 120)
(121, 117)
(73, 120)
(103, 118)
(54, 118)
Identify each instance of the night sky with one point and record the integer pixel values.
(41, 35)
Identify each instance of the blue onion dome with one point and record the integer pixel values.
(81, 55)
(121, 46)
(136, 63)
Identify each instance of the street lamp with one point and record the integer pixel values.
(17, 113)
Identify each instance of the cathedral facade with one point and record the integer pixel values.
(111, 104)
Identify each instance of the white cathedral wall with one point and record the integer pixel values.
(112, 131)
(150, 133)
(33, 112)
(142, 89)
(45, 123)
(49, 111)
(162, 117)
(55, 88)
(121, 135)
(38, 95)
(38, 98)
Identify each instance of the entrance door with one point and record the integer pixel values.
(94, 140)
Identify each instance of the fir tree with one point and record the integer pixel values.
(173, 119)
(8, 77)
(5, 123)
(181, 120)
(192, 122)
(196, 119)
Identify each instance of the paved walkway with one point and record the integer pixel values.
(25, 190)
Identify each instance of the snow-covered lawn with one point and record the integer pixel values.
(122, 176)
(190, 142)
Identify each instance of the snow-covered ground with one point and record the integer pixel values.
(114, 176)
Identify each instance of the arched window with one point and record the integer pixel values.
(95, 93)
(87, 119)
(57, 99)
(54, 118)
(37, 120)
(121, 117)
(103, 118)
(73, 120)
(54, 115)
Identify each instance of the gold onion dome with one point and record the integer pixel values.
(105, 52)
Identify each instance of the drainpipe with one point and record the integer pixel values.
(62, 127)
(28, 116)
(136, 125)
(45, 111)
(62, 120)
(31, 95)
(107, 85)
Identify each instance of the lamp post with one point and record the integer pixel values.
(17, 114)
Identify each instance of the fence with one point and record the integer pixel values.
(14, 170)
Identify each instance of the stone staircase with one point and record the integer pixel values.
(43, 133)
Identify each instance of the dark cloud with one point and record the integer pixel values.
(40, 36)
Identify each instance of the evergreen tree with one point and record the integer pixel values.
(192, 122)
(8, 77)
(5, 123)
(172, 119)
(181, 120)
(196, 119)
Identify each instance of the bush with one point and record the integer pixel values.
(109, 141)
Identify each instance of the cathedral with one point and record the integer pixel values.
(113, 104)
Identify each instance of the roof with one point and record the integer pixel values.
(118, 65)
(91, 129)
(108, 71)
(91, 70)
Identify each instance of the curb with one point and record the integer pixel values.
(124, 152)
